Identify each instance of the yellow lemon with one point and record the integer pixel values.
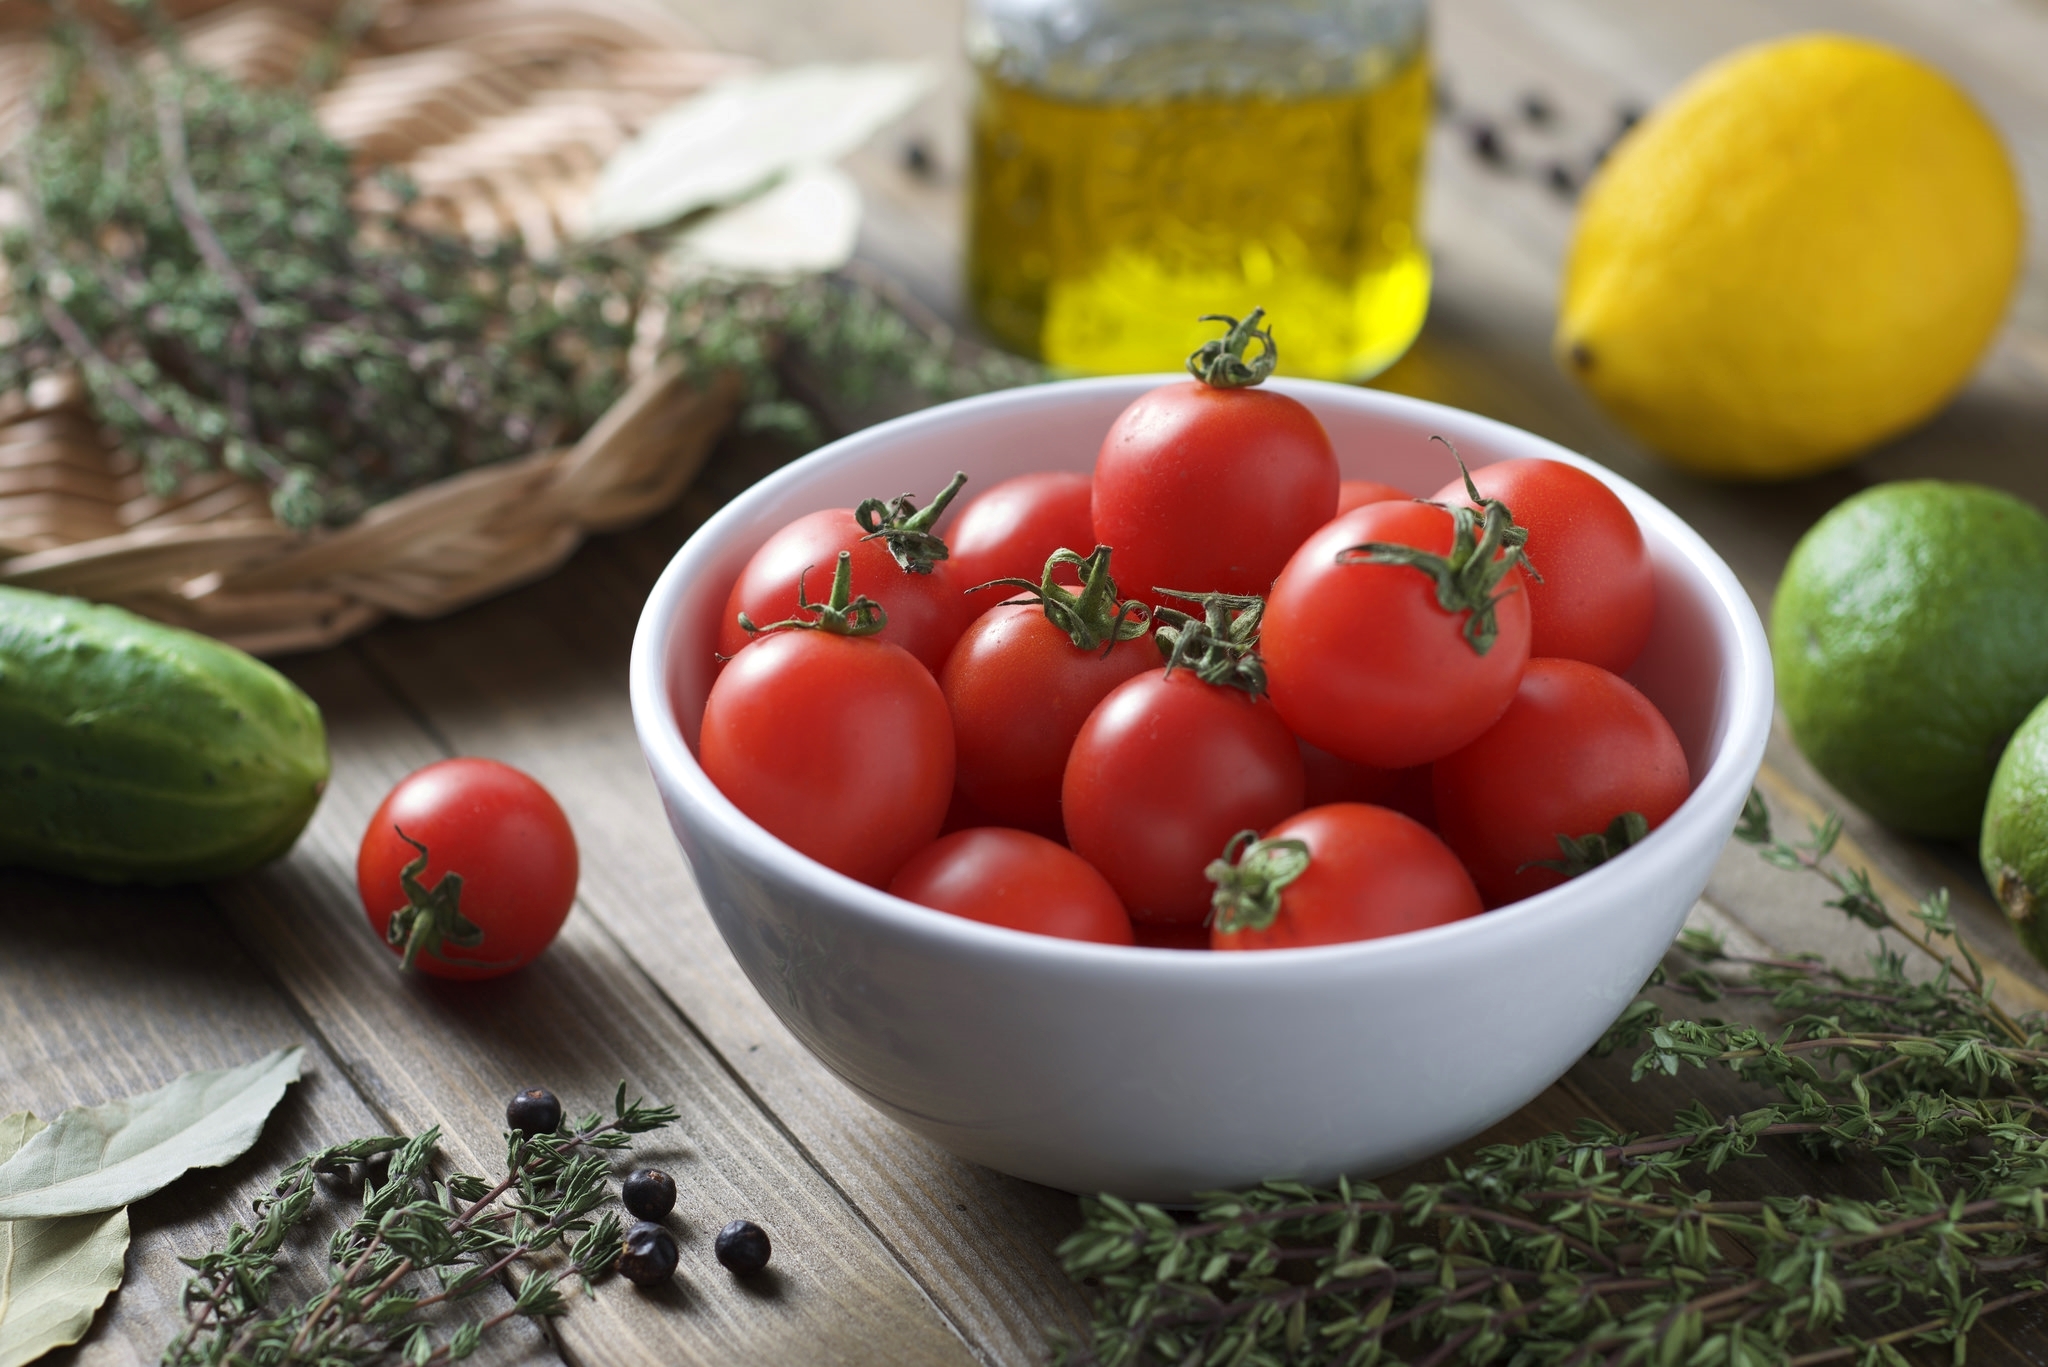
(1800, 253)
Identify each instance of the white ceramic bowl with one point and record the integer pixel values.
(1155, 1073)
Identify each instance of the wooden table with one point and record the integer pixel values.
(889, 1250)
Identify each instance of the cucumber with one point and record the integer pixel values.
(135, 752)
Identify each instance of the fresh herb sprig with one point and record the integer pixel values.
(237, 296)
(1603, 1247)
(418, 1244)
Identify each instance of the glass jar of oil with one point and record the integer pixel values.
(1139, 163)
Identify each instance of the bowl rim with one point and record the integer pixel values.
(1749, 704)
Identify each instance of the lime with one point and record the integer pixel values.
(1910, 634)
(2014, 848)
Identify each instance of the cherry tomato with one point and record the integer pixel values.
(1022, 680)
(1576, 749)
(494, 882)
(1356, 493)
(1371, 872)
(1334, 779)
(927, 612)
(1597, 596)
(1164, 772)
(1013, 529)
(1015, 879)
(839, 745)
(1363, 661)
(1208, 490)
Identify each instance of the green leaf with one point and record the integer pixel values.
(97, 1158)
(53, 1273)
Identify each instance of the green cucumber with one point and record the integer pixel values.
(135, 752)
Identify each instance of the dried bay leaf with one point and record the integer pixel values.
(96, 1158)
(742, 135)
(53, 1273)
(806, 225)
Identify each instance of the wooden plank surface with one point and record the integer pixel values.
(887, 1248)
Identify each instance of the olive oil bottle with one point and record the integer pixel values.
(1156, 160)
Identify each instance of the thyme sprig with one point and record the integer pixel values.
(238, 295)
(1605, 1247)
(418, 1244)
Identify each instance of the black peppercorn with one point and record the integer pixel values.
(1559, 177)
(1487, 144)
(918, 159)
(743, 1247)
(649, 1194)
(534, 1111)
(649, 1255)
(1537, 109)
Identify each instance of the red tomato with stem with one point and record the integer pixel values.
(1012, 878)
(1363, 658)
(1014, 527)
(1023, 679)
(473, 863)
(1577, 748)
(1163, 773)
(1356, 493)
(1598, 595)
(927, 608)
(1333, 874)
(838, 744)
(1208, 486)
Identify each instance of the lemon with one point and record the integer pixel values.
(1910, 635)
(1800, 253)
(2014, 843)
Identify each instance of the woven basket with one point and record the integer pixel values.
(503, 112)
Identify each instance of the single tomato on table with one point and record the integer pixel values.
(1174, 762)
(1208, 486)
(1348, 871)
(1397, 633)
(1548, 791)
(834, 740)
(468, 869)
(1597, 596)
(1023, 679)
(896, 562)
(1013, 528)
(1012, 878)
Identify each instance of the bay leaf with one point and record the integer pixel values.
(54, 1274)
(95, 1158)
(744, 134)
(806, 225)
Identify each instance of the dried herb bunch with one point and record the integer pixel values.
(418, 1245)
(238, 296)
(1601, 1247)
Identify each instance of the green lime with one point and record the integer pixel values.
(1910, 634)
(2014, 848)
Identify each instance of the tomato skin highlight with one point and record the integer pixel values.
(927, 612)
(1363, 662)
(1019, 690)
(498, 828)
(1578, 747)
(1207, 490)
(1598, 595)
(1356, 493)
(1372, 873)
(1012, 878)
(1013, 528)
(840, 746)
(1163, 773)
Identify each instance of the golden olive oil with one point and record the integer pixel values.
(1100, 230)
